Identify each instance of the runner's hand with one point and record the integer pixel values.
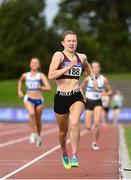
(104, 93)
(73, 63)
(20, 94)
(95, 84)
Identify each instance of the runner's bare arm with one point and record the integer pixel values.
(83, 84)
(108, 88)
(87, 66)
(83, 87)
(89, 70)
(54, 72)
(20, 83)
(46, 86)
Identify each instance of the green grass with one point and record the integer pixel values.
(127, 131)
(121, 76)
(8, 91)
(9, 97)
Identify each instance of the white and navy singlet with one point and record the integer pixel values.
(33, 83)
(93, 94)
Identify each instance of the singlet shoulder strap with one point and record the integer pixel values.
(64, 57)
(27, 74)
(38, 75)
(102, 77)
(63, 53)
(78, 58)
(89, 78)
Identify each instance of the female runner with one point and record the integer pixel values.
(106, 101)
(66, 68)
(117, 103)
(93, 104)
(35, 82)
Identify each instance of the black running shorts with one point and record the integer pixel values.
(116, 107)
(106, 109)
(91, 104)
(63, 100)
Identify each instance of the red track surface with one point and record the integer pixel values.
(103, 164)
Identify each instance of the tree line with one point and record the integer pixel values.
(103, 28)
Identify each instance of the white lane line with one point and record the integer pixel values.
(6, 129)
(19, 140)
(38, 158)
(125, 165)
(15, 130)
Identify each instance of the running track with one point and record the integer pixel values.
(21, 160)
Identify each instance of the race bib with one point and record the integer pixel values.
(32, 84)
(75, 71)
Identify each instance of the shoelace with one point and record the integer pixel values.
(66, 159)
(74, 159)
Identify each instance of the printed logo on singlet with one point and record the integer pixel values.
(33, 83)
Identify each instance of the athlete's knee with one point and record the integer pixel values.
(38, 123)
(88, 128)
(32, 113)
(96, 124)
(62, 134)
(74, 125)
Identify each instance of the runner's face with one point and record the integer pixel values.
(70, 43)
(34, 64)
(96, 68)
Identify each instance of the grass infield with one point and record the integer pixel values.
(8, 91)
(127, 130)
(9, 95)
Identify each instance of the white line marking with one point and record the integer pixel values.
(15, 130)
(125, 166)
(38, 158)
(15, 141)
(6, 129)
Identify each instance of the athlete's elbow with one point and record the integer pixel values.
(51, 77)
(49, 88)
(111, 92)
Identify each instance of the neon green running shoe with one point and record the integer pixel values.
(66, 162)
(74, 162)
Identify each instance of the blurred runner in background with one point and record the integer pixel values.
(106, 102)
(117, 103)
(35, 82)
(93, 106)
